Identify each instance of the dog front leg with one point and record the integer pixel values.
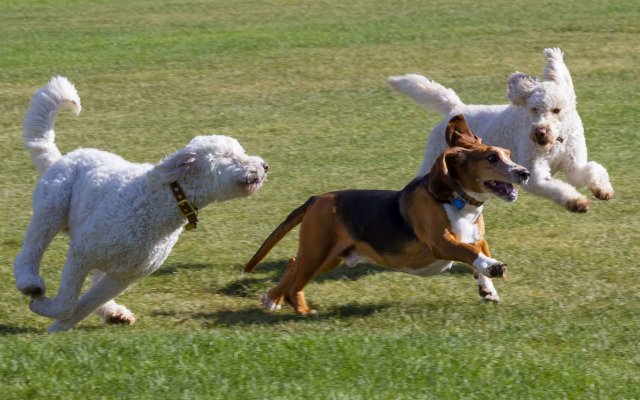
(543, 184)
(99, 294)
(450, 248)
(112, 312)
(64, 304)
(592, 175)
(486, 290)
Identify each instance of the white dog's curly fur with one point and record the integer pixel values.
(541, 127)
(122, 218)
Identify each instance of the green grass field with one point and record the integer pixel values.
(302, 83)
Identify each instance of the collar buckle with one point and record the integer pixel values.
(188, 210)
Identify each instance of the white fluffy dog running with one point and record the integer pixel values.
(541, 127)
(122, 218)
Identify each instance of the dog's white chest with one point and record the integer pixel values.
(463, 222)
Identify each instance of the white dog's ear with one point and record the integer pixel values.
(173, 167)
(520, 87)
(556, 70)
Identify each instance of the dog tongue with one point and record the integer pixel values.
(508, 191)
(511, 193)
(505, 190)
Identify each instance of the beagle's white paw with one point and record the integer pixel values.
(270, 304)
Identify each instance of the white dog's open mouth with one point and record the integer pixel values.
(251, 185)
(503, 190)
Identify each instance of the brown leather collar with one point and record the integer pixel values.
(460, 192)
(187, 209)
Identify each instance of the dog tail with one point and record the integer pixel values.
(39, 136)
(294, 219)
(426, 92)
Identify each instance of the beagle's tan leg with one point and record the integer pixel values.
(295, 293)
(272, 300)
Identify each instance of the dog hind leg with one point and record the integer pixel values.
(273, 299)
(50, 212)
(26, 267)
(294, 294)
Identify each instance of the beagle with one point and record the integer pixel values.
(435, 220)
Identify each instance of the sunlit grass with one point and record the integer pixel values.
(303, 85)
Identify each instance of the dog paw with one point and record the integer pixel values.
(31, 286)
(488, 295)
(581, 204)
(602, 194)
(497, 270)
(269, 304)
(306, 312)
(122, 316)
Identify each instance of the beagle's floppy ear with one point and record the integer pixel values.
(459, 134)
(442, 177)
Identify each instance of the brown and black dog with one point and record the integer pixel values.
(435, 220)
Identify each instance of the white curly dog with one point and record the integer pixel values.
(122, 218)
(541, 127)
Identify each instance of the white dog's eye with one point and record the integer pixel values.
(556, 111)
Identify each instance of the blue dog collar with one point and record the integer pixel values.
(458, 203)
(461, 199)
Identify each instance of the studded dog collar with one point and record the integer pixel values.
(187, 209)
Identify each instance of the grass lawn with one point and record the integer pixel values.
(302, 84)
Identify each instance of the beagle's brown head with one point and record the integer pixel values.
(482, 171)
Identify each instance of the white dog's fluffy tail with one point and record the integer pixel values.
(430, 94)
(39, 137)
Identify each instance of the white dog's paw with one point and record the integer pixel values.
(31, 285)
(119, 315)
(580, 204)
(604, 192)
(49, 308)
(270, 304)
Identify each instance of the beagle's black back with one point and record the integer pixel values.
(375, 217)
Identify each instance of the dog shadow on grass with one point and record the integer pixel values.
(173, 268)
(6, 330)
(257, 316)
(254, 284)
(250, 285)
